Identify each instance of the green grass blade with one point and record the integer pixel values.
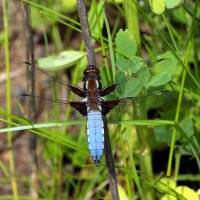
(134, 171)
(8, 99)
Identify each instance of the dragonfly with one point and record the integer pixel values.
(94, 104)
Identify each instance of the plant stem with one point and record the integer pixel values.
(8, 99)
(128, 183)
(92, 61)
(145, 159)
(86, 32)
(30, 57)
(110, 162)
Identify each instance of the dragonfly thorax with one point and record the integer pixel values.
(93, 102)
(92, 92)
(92, 84)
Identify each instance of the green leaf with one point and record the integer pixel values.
(163, 70)
(132, 90)
(69, 6)
(122, 193)
(172, 3)
(187, 125)
(157, 6)
(163, 134)
(120, 76)
(125, 53)
(59, 62)
(165, 184)
(183, 191)
(116, 1)
(188, 138)
(131, 65)
(125, 44)
(180, 15)
(187, 192)
(38, 20)
(144, 76)
(134, 83)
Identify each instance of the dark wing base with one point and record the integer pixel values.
(77, 91)
(80, 106)
(108, 90)
(107, 106)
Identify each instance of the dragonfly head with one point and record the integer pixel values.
(91, 72)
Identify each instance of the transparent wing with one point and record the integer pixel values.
(47, 104)
(149, 100)
(43, 106)
(43, 100)
(51, 109)
(132, 106)
(130, 85)
(52, 77)
(135, 94)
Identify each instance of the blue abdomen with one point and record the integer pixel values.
(95, 132)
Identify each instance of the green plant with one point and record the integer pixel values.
(166, 48)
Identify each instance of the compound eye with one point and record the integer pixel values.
(86, 72)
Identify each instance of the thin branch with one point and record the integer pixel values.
(32, 111)
(92, 61)
(110, 162)
(86, 32)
